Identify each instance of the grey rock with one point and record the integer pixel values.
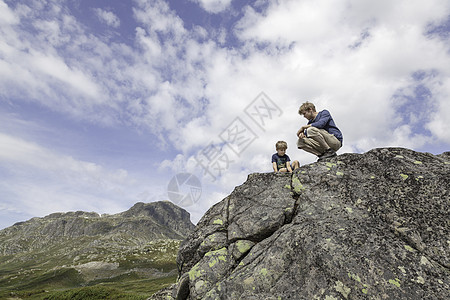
(164, 213)
(357, 226)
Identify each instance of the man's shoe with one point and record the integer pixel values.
(327, 154)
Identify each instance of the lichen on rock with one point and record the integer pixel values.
(358, 226)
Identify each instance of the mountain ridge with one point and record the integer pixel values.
(158, 212)
(79, 248)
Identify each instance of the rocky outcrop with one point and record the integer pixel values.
(358, 226)
(164, 213)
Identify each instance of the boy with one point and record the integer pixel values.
(321, 136)
(281, 161)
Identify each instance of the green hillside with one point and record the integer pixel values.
(87, 256)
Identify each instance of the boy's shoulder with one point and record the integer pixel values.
(276, 155)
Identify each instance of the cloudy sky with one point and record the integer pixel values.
(105, 103)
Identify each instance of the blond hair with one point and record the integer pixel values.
(306, 106)
(281, 145)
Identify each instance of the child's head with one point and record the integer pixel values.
(306, 107)
(281, 147)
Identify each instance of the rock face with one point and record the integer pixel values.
(358, 226)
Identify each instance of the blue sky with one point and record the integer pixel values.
(104, 102)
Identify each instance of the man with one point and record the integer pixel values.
(321, 136)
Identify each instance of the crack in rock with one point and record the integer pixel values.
(358, 226)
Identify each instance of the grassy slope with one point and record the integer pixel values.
(137, 272)
(76, 254)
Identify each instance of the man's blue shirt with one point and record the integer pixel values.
(323, 120)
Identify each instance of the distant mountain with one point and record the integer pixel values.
(73, 249)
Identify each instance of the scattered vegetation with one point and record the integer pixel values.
(132, 274)
(82, 255)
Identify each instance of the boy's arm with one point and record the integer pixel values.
(288, 166)
(274, 165)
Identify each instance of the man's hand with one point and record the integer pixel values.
(300, 132)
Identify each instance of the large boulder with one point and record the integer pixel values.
(358, 226)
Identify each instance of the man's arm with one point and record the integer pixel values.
(321, 119)
(275, 168)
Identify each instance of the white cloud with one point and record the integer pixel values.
(313, 21)
(357, 59)
(40, 181)
(56, 68)
(30, 155)
(314, 42)
(214, 6)
(178, 165)
(357, 67)
(34, 70)
(440, 118)
(6, 15)
(158, 17)
(68, 69)
(107, 17)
